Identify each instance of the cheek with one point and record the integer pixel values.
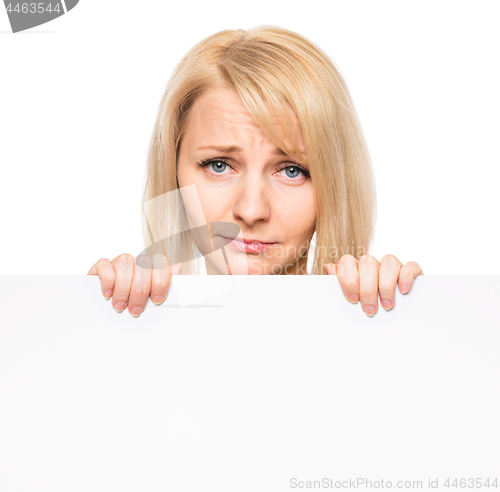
(298, 217)
(184, 176)
(187, 176)
(215, 203)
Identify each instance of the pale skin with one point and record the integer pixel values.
(268, 195)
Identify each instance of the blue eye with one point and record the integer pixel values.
(217, 166)
(293, 173)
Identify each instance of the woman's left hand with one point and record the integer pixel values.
(365, 278)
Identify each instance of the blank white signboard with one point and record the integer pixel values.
(268, 383)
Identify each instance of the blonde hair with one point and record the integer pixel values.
(271, 67)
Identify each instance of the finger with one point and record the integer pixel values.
(369, 268)
(330, 268)
(124, 271)
(160, 281)
(104, 270)
(348, 275)
(388, 278)
(176, 268)
(409, 272)
(141, 285)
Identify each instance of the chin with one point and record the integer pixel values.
(247, 264)
(256, 267)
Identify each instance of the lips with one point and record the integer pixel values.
(247, 245)
(250, 241)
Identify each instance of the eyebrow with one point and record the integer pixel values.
(234, 148)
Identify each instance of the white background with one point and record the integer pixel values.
(229, 397)
(79, 95)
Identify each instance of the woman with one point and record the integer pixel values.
(257, 137)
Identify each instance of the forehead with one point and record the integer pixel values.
(220, 102)
(221, 111)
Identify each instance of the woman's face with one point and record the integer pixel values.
(249, 184)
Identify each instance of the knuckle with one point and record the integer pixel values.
(144, 261)
(121, 292)
(391, 259)
(159, 257)
(347, 271)
(349, 283)
(385, 291)
(124, 259)
(366, 292)
(346, 259)
(367, 259)
(140, 293)
(406, 271)
(161, 285)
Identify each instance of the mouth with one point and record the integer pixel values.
(247, 245)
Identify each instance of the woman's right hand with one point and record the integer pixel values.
(132, 281)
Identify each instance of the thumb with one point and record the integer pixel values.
(330, 268)
(176, 268)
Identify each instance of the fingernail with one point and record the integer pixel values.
(120, 306)
(404, 288)
(158, 299)
(353, 298)
(136, 311)
(370, 310)
(386, 304)
(108, 294)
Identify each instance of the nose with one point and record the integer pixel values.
(252, 203)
